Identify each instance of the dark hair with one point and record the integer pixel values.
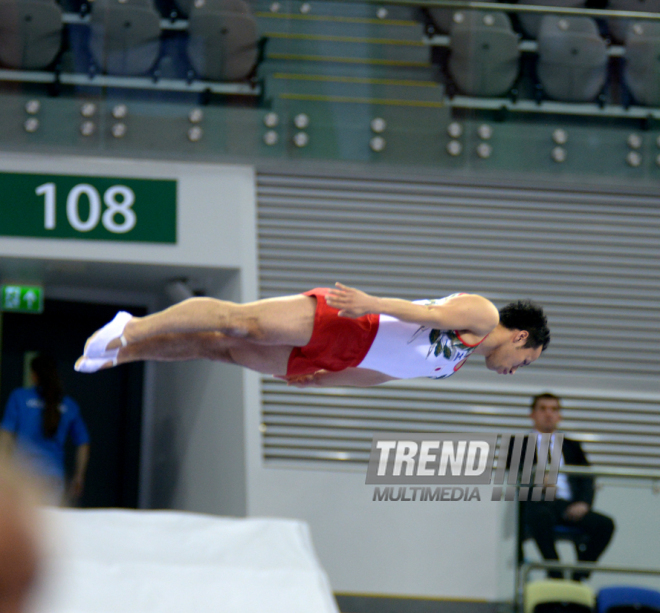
(544, 396)
(49, 387)
(525, 315)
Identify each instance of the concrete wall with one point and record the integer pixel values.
(193, 453)
(430, 549)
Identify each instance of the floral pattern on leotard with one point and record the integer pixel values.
(444, 344)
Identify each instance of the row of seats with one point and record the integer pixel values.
(616, 28)
(557, 595)
(125, 37)
(572, 64)
(530, 23)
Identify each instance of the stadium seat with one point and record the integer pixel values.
(562, 533)
(484, 55)
(572, 59)
(531, 22)
(222, 40)
(618, 28)
(442, 18)
(641, 71)
(627, 599)
(30, 33)
(125, 36)
(558, 595)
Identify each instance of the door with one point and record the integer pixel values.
(110, 401)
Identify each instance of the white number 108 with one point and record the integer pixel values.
(118, 199)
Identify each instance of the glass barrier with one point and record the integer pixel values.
(562, 92)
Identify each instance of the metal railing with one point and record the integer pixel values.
(182, 24)
(635, 478)
(149, 82)
(642, 474)
(526, 567)
(510, 8)
(144, 83)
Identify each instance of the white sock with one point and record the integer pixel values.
(93, 364)
(97, 348)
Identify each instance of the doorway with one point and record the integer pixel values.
(110, 401)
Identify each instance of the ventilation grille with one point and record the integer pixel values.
(590, 259)
(336, 426)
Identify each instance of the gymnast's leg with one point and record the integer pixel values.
(274, 321)
(267, 359)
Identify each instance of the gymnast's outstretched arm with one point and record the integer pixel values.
(350, 377)
(469, 312)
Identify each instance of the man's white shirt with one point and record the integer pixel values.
(563, 486)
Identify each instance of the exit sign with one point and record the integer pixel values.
(22, 298)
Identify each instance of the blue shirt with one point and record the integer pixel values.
(23, 418)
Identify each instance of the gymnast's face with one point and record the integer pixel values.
(512, 354)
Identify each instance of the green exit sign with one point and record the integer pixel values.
(22, 298)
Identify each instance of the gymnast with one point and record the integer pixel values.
(329, 337)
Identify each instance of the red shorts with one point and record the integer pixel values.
(336, 343)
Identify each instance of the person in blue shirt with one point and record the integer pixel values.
(36, 424)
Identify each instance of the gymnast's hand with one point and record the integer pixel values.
(309, 380)
(351, 302)
(576, 511)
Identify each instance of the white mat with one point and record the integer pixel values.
(115, 561)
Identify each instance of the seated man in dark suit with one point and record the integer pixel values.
(573, 499)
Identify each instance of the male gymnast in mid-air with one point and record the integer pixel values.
(329, 337)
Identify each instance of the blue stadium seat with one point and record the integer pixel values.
(569, 533)
(562, 533)
(617, 599)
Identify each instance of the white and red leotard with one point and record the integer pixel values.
(378, 342)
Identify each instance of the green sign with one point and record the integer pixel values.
(22, 298)
(92, 208)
